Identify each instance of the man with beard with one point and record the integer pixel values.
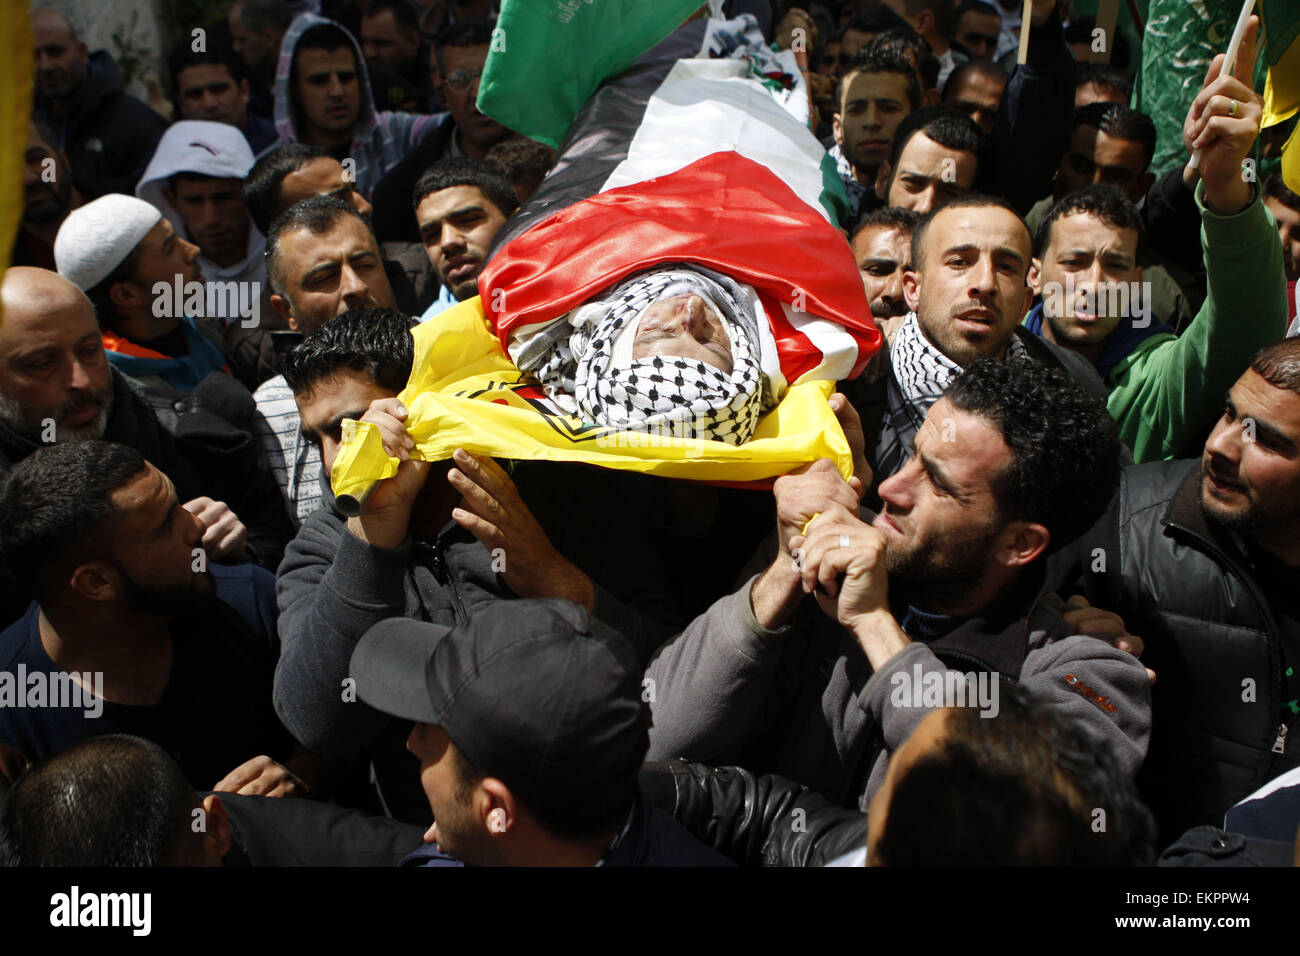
(882, 244)
(131, 631)
(56, 386)
(930, 603)
(1202, 558)
(49, 195)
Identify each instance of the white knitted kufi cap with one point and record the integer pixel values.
(96, 238)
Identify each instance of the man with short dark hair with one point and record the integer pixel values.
(132, 628)
(976, 87)
(933, 22)
(935, 159)
(966, 294)
(1201, 558)
(459, 53)
(107, 135)
(121, 800)
(48, 196)
(1101, 83)
(56, 385)
(295, 171)
(212, 84)
(1017, 789)
(876, 93)
(1110, 144)
(947, 580)
(1165, 390)
(257, 29)
(323, 261)
(882, 244)
(323, 98)
(460, 206)
(530, 731)
(978, 29)
(1285, 207)
(390, 37)
(523, 162)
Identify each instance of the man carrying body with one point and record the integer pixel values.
(948, 577)
(530, 731)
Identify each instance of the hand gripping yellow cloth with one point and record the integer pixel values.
(465, 393)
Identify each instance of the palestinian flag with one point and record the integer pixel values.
(699, 152)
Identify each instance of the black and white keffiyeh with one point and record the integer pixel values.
(667, 395)
(923, 372)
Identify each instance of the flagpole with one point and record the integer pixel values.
(1026, 21)
(1229, 61)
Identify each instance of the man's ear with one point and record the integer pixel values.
(245, 91)
(284, 310)
(496, 807)
(124, 295)
(1020, 543)
(216, 833)
(912, 289)
(882, 180)
(837, 130)
(96, 581)
(1035, 277)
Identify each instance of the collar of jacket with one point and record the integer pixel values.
(1186, 516)
(997, 638)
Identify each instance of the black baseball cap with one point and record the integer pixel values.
(534, 692)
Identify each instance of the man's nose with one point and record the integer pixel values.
(80, 378)
(924, 201)
(335, 86)
(360, 203)
(897, 490)
(452, 238)
(872, 116)
(353, 288)
(191, 250)
(983, 277)
(1225, 441)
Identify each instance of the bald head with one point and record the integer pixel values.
(54, 377)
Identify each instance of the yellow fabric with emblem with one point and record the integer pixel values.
(465, 393)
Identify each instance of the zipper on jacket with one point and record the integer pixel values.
(443, 574)
(1279, 745)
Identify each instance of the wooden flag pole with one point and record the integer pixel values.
(1107, 15)
(1026, 22)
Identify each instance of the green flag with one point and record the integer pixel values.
(548, 56)
(1182, 37)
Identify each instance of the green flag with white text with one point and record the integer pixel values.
(548, 56)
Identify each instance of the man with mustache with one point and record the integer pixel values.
(1202, 558)
(56, 385)
(48, 196)
(965, 293)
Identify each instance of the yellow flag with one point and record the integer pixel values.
(16, 75)
(465, 393)
(1282, 95)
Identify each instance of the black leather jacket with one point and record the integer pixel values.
(1187, 588)
(755, 819)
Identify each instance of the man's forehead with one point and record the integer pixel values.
(882, 240)
(317, 61)
(1084, 229)
(321, 175)
(308, 249)
(445, 201)
(879, 85)
(144, 492)
(48, 26)
(201, 74)
(983, 226)
(1279, 408)
(464, 57)
(966, 444)
(1111, 150)
(341, 390)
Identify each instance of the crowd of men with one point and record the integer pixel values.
(1052, 618)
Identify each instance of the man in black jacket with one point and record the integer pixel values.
(56, 385)
(107, 135)
(1202, 558)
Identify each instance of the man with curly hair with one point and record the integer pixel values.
(822, 665)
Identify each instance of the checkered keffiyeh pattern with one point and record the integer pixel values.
(667, 395)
